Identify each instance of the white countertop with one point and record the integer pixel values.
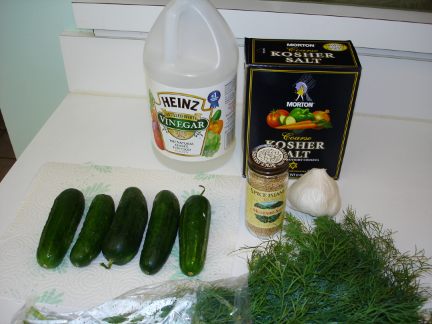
(386, 173)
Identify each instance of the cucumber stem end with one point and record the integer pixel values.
(110, 263)
(203, 190)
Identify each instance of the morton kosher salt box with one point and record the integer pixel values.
(300, 97)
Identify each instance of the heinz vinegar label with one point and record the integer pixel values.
(193, 124)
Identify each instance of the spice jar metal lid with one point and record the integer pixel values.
(268, 160)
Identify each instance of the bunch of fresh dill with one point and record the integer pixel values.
(336, 272)
(221, 305)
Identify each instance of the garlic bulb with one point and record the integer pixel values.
(315, 193)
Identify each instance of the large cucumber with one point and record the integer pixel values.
(124, 237)
(161, 232)
(194, 229)
(60, 228)
(96, 225)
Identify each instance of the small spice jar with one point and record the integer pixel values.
(267, 179)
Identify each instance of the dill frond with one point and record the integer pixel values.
(348, 271)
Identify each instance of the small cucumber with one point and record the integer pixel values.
(282, 119)
(60, 228)
(217, 115)
(194, 230)
(97, 223)
(124, 237)
(161, 232)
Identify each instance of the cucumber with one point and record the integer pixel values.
(97, 223)
(194, 230)
(124, 237)
(161, 232)
(282, 119)
(217, 115)
(60, 228)
(289, 120)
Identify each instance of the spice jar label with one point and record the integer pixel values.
(265, 209)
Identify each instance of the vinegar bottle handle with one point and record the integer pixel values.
(171, 29)
(216, 27)
(203, 8)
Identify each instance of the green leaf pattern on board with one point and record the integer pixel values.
(186, 194)
(62, 268)
(50, 297)
(204, 176)
(100, 168)
(97, 188)
(103, 168)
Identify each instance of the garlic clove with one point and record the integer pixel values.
(315, 193)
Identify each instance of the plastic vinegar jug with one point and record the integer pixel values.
(190, 61)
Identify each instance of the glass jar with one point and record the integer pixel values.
(267, 179)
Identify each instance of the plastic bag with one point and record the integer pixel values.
(179, 302)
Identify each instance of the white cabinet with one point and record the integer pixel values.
(396, 56)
